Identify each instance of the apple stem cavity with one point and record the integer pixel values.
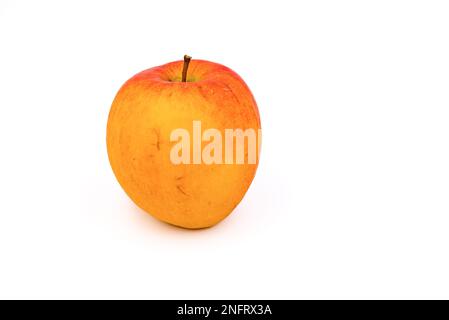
(185, 67)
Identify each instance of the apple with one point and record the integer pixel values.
(183, 141)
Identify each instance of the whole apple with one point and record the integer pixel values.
(183, 141)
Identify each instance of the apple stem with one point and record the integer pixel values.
(185, 67)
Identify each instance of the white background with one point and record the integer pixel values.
(351, 199)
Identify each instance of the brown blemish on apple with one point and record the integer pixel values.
(179, 187)
(158, 138)
(202, 93)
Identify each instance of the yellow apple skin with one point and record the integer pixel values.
(147, 108)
